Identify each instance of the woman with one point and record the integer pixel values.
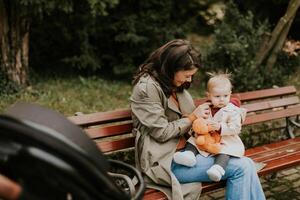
(162, 113)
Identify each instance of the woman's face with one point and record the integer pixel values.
(183, 76)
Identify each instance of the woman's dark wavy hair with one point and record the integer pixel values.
(164, 62)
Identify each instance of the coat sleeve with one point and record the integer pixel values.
(147, 106)
(233, 124)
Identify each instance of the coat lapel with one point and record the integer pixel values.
(172, 105)
(185, 102)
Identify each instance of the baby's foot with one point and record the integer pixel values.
(215, 173)
(186, 158)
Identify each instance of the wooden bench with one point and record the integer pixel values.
(112, 130)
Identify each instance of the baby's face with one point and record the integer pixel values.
(219, 96)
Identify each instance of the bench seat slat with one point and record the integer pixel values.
(279, 153)
(153, 194)
(206, 187)
(281, 163)
(289, 112)
(269, 147)
(286, 147)
(255, 150)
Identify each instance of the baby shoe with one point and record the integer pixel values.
(215, 173)
(186, 158)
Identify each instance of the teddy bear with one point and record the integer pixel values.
(206, 139)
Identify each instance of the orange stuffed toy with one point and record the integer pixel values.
(206, 139)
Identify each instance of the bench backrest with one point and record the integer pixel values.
(112, 130)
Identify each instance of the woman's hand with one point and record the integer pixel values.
(201, 111)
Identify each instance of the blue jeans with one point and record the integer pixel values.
(242, 181)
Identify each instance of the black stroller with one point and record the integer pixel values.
(51, 158)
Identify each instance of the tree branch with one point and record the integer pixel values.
(291, 11)
(278, 46)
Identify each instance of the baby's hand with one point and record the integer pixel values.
(215, 126)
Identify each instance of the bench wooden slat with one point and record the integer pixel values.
(278, 153)
(266, 93)
(109, 146)
(260, 149)
(267, 148)
(260, 94)
(101, 117)
(255, 150)
(206, 187)
(271, 104)
(289, 112)
(281, 163)
(278, 144)
(153, 194)
(101, 132)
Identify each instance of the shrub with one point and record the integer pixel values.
(237, 40)
(113, 44)
(6, 86)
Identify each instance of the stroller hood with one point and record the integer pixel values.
(51, 157)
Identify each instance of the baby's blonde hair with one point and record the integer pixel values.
(222, 79)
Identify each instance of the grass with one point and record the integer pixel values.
(72, 95)
(88, 95)
(76, 94)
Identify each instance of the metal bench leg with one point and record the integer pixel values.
(119, 178)
(291, 124)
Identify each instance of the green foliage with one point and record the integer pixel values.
(271, 10)
(71, 15)
(7, 87)
(238, 39)
(63, 41)
(114, 44)
(133, 29)
(39, 7)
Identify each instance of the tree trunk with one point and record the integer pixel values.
(278, 46)
(283, 22)
(14, 42)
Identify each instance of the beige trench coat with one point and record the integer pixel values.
(231, 118)
(158, 125)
